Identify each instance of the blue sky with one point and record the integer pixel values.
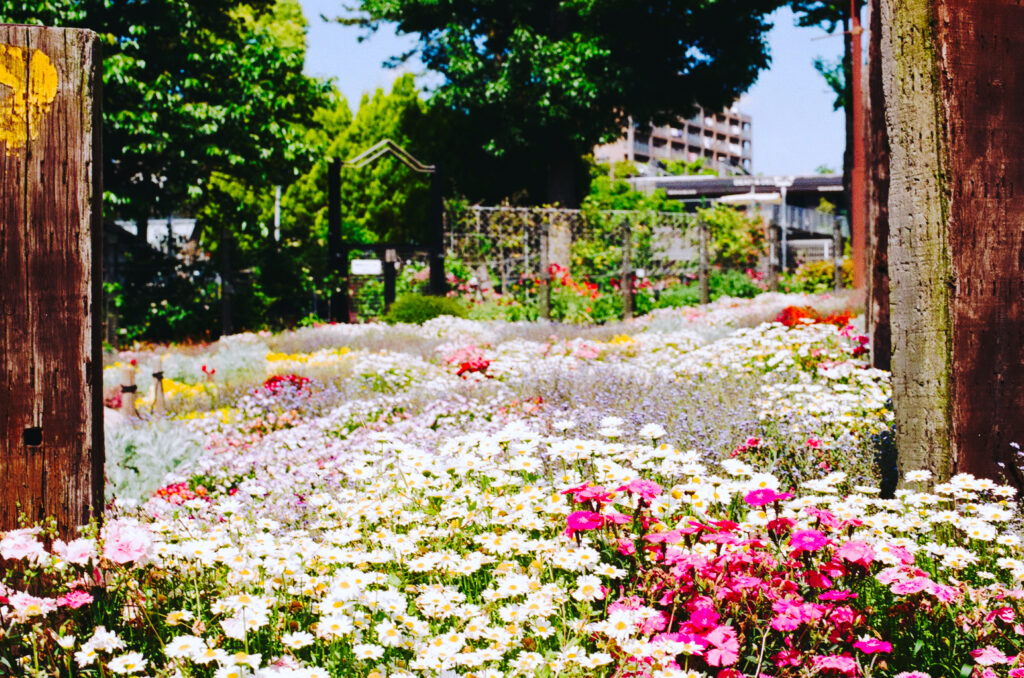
(795, 128)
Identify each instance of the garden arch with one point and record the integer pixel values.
(339, 249)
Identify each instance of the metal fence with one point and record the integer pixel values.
(517, 242)
(510, 245)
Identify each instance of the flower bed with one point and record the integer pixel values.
(684, 495)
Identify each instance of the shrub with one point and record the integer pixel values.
(416, 309)
(816, 277)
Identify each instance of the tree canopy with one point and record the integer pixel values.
(557, 77)
(191, 88)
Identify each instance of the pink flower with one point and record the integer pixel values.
(595, 492)
(807, 540)
(19, 544)
(670, 537)
(124, 542)
(582, 520)
(726, 646)
(989, 655)
(912, 674)
(911, 586)
(626, 547)
(617, 518)
(26, 605)
(814, 442)
(77, 552)
(857, 552)
(74, 600)
(646, 489)
(761, 497)
(836, 662)
(946, 594)
(872, 645)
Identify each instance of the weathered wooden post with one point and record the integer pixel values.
(772, 277)
(159, 398)
(129, 392)
(545, 269)
(51, 427)
(837, 255)
(390, 277)
(954, 95)
(626, 284)
(704, 272)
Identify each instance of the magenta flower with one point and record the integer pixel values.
(646, 489)
(807, 540)
(726, 647)
(760, 497)
(617, 518)
(582, 520)
(670, 537)
(74, 600)
(872, 645)
(857, 552)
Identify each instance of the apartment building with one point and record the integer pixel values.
(724, 139)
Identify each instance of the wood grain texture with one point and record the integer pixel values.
(919, 255)
(50, 229)
(878, 200)
(981, 48)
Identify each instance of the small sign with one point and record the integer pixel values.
(367, 267)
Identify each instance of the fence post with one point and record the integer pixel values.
(705, 284)
(129, 391)
(390, 259)
(438, 278)
(545, 273)
(772, 278)
(837, 256)
(626, 283)
(159, 399)
(51, 403)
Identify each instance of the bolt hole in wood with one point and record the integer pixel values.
(32, 437)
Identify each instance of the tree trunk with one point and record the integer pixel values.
(878, 200)
(955, 114)
(563, 162)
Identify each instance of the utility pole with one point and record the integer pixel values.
(858, 184)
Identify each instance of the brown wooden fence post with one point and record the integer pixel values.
(51, 428)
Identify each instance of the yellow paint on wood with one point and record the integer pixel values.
(28, 86)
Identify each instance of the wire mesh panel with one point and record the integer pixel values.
(517, 243)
